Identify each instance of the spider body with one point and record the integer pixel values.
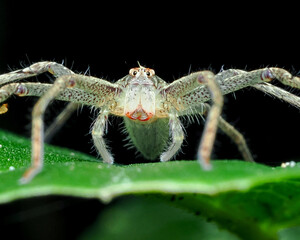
(150, 138)
(141, 105)
(150, 107)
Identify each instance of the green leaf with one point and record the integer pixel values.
(252, 200)
(162, 221)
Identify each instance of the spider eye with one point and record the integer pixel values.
(133, 72)
(150, 73)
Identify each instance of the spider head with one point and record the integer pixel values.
(140, 94)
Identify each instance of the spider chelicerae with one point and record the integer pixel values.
(149, 106)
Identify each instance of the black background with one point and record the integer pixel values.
(109, 39)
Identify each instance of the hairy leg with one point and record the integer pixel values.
(35, 69)
(173, 94)
(39, 89)
(233, 80)
(60, 120)
(185, 95)
(37, 132)
(98, 131)
(182, 85)
(279, 93)
(225, 127)
(177, 136)
(266, 75)
(211, 124)
(204, 78)
(96, 92)
(237, 138)
(281, 75)
(60, 85)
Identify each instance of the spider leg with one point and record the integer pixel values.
(281, 75)
(182, 85)
(73, 95)
(173, 93)
(105, 90)
(211, 124)
(98, 131)
(35, 69)
(37, 132)
(60, 120)
(186, 96)
(237, 138)
(233, 134)
(229, 81)
(177, 136)
(227, 128)
(279, 93)
(208, 138)
(267, 75)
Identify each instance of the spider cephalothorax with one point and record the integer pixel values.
(150, 107)
(141, 90)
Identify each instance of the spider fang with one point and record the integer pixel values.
(139, 114)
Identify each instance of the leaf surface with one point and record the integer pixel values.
(249, 199)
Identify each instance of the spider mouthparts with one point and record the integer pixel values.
(139, 114)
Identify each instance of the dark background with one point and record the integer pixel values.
(109, 39)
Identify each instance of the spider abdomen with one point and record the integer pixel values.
(150, 138)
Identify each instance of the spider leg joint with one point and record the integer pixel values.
(21, 90)
(71, 83)
(205, 76)
(266, 75)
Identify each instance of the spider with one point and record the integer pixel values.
(150, 107)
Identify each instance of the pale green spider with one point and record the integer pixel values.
(150, 107)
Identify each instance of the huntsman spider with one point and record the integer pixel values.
(150, 107)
